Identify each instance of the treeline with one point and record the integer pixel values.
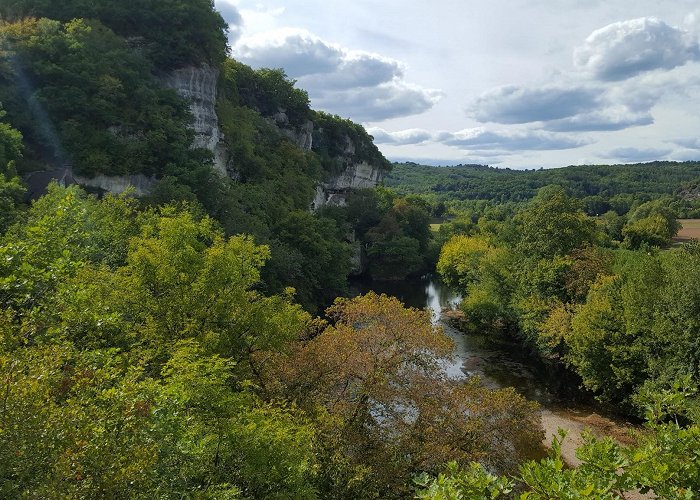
(601, 188)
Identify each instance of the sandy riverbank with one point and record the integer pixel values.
(576, 422)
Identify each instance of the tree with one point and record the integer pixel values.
(653, 231)
(377, 372)
(195, 33)
(552, 224)
(460, 260)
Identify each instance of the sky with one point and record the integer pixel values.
(508, 83)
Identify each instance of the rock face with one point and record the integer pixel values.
(356, 176)
(141, 184)
(302, 136)
(199, 86)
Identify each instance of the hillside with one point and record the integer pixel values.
(600, 187)
(113, 100)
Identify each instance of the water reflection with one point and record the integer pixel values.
(497, 365)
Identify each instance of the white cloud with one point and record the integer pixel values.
(233, 18)
(361, 85)
(298, 52)
(357, 69)
(689, 143)
(402, 137)
(517, 104)
(606, 120)
(625, 49)
(480, 138)
(636, 155)
(692, 21)
(376, 104)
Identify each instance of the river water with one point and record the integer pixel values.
(503, 365)
(497, 365)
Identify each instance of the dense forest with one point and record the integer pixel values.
(601, 188)
(199, 341)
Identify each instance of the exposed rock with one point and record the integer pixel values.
(357, 176)
(37, 182)
(141, 184)
(302, 136)
(199, 86)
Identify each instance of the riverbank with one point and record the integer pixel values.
(576, 421)
(498, 367)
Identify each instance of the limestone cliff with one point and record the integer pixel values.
(355, 176)
(199, 86)
(302, 136)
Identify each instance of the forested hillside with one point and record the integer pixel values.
(90, 94)
(601, 188)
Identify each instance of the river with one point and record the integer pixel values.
(502, 365)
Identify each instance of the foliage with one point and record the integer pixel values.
(665, 462)
(125, 354)
(460, 260)
(395, 232)
(376, 370)
(552, 224)
(195, 32)
(11, 189)
(341, 143)
(601, 188)
(268, 91)
(79, 94)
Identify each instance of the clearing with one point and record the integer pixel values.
(690, 230)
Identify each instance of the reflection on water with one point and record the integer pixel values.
(498, 366)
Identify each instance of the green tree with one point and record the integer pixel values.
(553, 224)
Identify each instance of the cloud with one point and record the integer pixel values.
(583, 107)
(357, 70)
(374, 104)
(361, 85)
(692, 21)
(636, 155)
(514, 104)
(233, 19)
(401, 137)
(615, 118)
(509, 140)
(298, 52)
(690, 143)
(625, 49)
(445, 162)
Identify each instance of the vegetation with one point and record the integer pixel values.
(665, 463)
(137, 355)
(80, 95)
(544, 278)
(194, 31)
(600, 188)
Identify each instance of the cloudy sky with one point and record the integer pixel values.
(512, 83)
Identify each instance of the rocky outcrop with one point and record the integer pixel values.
(357, 176)
(199, 86)
(141, 184)
(302, 136)
(38, 182)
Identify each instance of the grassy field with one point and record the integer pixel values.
(690, 230)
